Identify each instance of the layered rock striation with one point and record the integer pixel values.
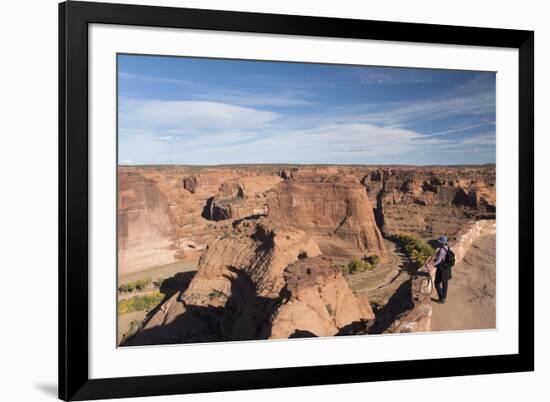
(166, 214)
(169, 213)
(145, 232)
(430, 201)
(334, 210)
(318, 302)
(258, 282)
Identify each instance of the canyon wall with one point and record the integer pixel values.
(170, 213)
(268, 240)
(166, 214)
(429, 201)
(145, 234)
(335, 211)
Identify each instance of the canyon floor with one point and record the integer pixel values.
(472, 292)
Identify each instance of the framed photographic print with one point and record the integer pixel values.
(257, 200)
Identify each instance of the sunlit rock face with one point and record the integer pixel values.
(335, 211)
(429, 201)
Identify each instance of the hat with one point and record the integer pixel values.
(442, 239)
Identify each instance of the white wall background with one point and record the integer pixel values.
(28, 196)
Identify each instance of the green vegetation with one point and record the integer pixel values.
(134, 326)
(355, 266)
(373, 260)
(138, 285)
(345, 269)
(215, 294)
(417, 250)
(139, 303)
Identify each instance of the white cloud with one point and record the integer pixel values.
(459, 129)
(288, 98)
(343, 143)
(200, 92)
(469, 144)
(483, 139)
(141, 77)
(436, 108)
(204, 131)
(190, 115)
(388, 76)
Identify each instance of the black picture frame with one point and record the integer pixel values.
(74, 18)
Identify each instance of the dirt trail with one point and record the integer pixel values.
(388, 287)
(471, 297)
(129, 295)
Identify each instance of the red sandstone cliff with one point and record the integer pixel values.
(336, 212)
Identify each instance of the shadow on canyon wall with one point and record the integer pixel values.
(245, 316)
(177, 283)
(400, 302)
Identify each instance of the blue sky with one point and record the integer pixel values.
(192, 111)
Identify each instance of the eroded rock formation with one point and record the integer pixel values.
(430, 201)
(164, 211)
(318, 302)
(257, 282)
(334, 210)
(231, 203)
(169, 213)
(267, 239)
(190, 183)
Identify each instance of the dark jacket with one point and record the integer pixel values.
(443, 272)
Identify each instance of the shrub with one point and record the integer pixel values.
(417, 250)
(345, 269)
(139, 303)
(138, 285)
(373, 260)
(355, 266)
(142, 284)
(123, 288)
(134, 326)
(367, 266)
(215, 294)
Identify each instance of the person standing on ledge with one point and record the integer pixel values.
(444, 260)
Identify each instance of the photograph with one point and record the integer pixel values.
(268, 199)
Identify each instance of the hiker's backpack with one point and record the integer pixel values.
(449, 258)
